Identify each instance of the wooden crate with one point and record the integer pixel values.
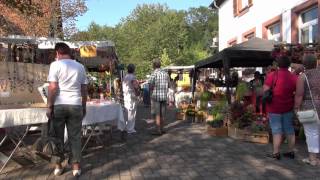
(236, 133)
(223, 131)
(180, 115)
(261, 137)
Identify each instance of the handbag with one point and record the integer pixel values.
(268, 94)
(309, 115)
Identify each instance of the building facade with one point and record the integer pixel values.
(291, 21)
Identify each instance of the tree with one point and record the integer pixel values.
(165, 59)
(54, 18)
(70, 10)
(155, 31)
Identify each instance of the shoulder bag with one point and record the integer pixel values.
(309, 115)
(267, 95)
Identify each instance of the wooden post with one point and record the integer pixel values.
(9, 53)
(226, 70)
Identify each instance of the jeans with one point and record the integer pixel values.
(281, 123)
(71, 116)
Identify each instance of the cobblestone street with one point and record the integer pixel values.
(184, 152)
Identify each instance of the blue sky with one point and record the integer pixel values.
(110, 12)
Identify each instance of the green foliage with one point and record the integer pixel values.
(165, 59)
(242, 90)
(205, 96)
(155, 31)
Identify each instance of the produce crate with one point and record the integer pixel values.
(222, 132)
(261, 137)
(180, 115)
(236, 133)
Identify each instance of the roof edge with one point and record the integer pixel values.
(216, 3)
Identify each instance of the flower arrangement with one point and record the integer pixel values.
(295, 51)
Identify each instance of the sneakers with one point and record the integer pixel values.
(289, 155)
(274, 156)
(76, 172)
(57, 171)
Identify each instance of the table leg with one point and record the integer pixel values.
(3, 139)
(14, 150)
(88, 139)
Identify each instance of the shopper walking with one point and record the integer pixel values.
(303, 101)
(159, 84)
(280, 109)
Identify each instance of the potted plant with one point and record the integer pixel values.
(204, 98)
(216, 126)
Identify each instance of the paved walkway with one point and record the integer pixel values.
(185, 152)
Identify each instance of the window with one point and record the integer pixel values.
(272, 29)
(244, 3)
(240, 7)
(308, 26)
(274, 32)
(249, 34)
(232, 42)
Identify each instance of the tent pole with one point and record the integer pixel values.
(226, 70)
(194, 82)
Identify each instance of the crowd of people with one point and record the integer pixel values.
(291, 92)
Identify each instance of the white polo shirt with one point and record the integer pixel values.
(70, 75)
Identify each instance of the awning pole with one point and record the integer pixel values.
(226, 70)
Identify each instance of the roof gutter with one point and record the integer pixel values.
(214, 3)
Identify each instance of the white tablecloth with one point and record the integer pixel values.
(24, 116)
(96, 113)
(105, 112)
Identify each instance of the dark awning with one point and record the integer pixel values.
(255, 52)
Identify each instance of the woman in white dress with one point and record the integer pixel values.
(130, 87)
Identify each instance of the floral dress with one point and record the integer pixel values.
(313, 76)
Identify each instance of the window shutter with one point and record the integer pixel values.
(235, 8)
(250, 2)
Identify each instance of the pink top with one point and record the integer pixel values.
(283, 91)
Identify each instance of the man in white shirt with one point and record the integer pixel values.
(67, 96)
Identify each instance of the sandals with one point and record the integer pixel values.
(289, 155)
(156, 133)
(274, 156)
(312, 163)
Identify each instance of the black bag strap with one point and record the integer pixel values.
(274, 82)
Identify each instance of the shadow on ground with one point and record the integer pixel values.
(184, 152)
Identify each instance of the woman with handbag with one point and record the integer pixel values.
(280, 86)
(307, 101)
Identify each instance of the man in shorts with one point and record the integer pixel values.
(159, 85)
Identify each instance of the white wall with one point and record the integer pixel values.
(260, 12)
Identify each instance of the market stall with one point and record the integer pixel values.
(229, 115)
(24, 65)
(180, 83)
